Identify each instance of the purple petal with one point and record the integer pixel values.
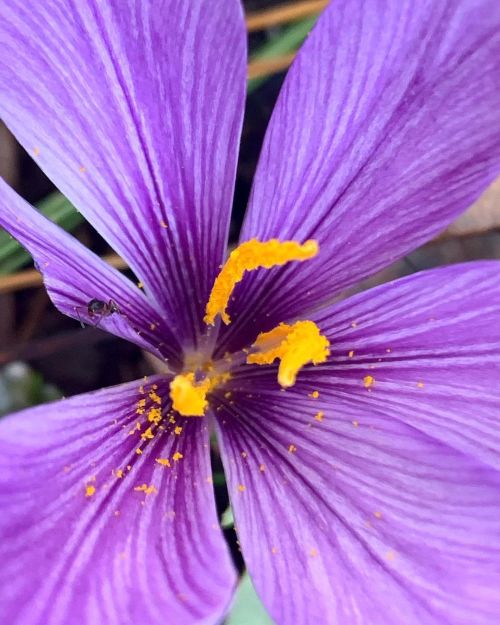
(385, 509)
(116, 556)
(388, 126)
(430, 340)
(73, 276)
(134, 110)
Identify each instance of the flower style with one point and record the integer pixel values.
(364, 470)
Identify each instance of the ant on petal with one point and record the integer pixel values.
(99, 309)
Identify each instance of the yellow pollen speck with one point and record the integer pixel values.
(138, 451)
(420, 384)
(249, 256)
(89, 490)
(292, 449)
(144, 488)
(82, 169)
(274, 550)
(140, 285)
(351, 353)
(116, 513)
(314, 394)
(178, 430)
(36, 151)
(165, 462)
(294, 345)
(163, 224)
(119, 473)
(241, 488)
(147, 435)
(177, 456)
(262, 468)
(355, 423)
(354, 324)
(313, 553)
(135, 429)
(153, 396)
(368, 381)
(390, 555)
(377, 514)
(319, 415)
(154, 415)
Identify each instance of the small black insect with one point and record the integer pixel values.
(99, 309)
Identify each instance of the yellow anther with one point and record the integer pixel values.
(295, 345)
(189, 397)
(248, 256)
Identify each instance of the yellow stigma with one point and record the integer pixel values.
(248, 256)
(294, 345)
(189, 397)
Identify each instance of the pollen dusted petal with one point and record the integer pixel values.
(248, 256)
(295, 345)
(76, 530)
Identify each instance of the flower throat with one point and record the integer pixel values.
(294, 345)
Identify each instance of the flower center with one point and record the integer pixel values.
(293, 345)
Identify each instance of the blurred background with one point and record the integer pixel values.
(44, 355)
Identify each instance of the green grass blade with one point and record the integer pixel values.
(59, 210)
(284, 43)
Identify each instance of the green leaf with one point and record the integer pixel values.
(59, 210)
(227, 519)
(248, 609)
(284, 43)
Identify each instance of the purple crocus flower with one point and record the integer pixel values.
(368, 491)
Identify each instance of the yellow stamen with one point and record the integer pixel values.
(295, 345)
(189, 397)
(248, 256)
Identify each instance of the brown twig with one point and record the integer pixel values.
(41, 348)
(265, 67)
(30, 278)
(283, 14)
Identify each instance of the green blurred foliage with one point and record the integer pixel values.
(247, 608)
(59, 210)
(21, 387)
